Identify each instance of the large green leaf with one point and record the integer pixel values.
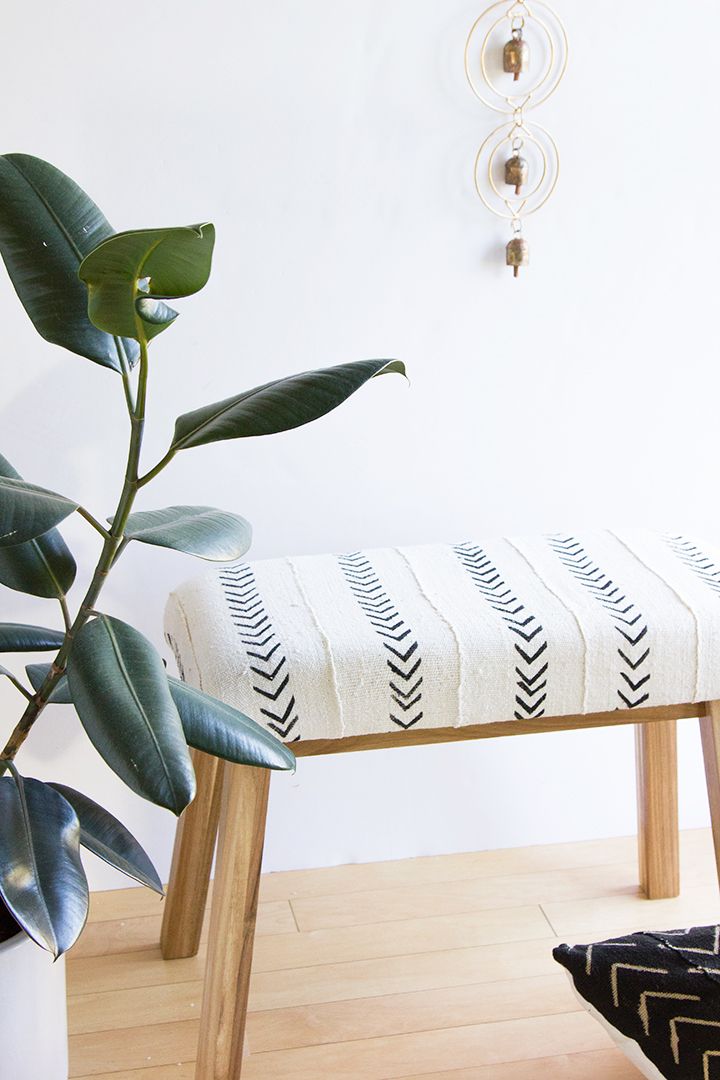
(108, 838)
(41, 567)
(37, 673)
(17, 637)
(42, 881)
(28, 511)
(47, 227)
(279, 405)
(127, 275)
(218, 729)
(119, 688)
(196, 530)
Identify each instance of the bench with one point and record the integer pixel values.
(430, 644)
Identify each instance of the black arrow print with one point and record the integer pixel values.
(529, 710)
(256, 631)
(406, 725)
(635, 686)
(531, 691)
(503, 600)
(635, 664)
(389, 625)
(695, 560)
(404, 657)
(394, 637)
(530, 658)
(270, 675)
(409, 705)
(580, 565)
(531, 678)
(273, 695)
(407, 675)
(405, 693)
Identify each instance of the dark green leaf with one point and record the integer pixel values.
(119, 688)
(47, 227)
(128, 271)
(197, 530)
(279, 405)
(42, 881)
(37, 673)
(16, 637)
(108, 838)
(218, 729)
(28, 511)
(41, 567)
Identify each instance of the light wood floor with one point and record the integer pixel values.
(434, 968)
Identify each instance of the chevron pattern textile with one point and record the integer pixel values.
(658, 995)
(326, 647)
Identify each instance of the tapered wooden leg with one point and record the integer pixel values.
(232, 923)
(710, 733)
(657, 787)
(192, 862)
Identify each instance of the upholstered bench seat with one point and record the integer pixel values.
(412, 645)
(325, 647)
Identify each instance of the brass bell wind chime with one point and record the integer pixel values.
(528, 177)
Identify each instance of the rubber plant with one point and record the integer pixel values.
(103, 296)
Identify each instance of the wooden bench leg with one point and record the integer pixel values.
(232, 922)
(192, 862)
(657, 787)
(710, 733)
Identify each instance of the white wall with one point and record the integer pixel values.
(332, 144)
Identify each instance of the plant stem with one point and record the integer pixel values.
(62, 600)
(120, 550)
(93, 521)
(111, 546)
(125, 372)
(18, 685)
(157, 468)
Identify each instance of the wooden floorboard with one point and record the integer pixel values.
(135, 932)
(467, 1047)
(430, 969)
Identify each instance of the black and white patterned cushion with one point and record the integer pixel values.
(452, 635)
(658, 994)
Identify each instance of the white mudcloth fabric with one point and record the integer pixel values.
(324, 647)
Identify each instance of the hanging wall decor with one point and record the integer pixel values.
(515, 57)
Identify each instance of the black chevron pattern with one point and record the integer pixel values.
(662, 990)
(529, 642)
(265, 653)
(402, 647)
(634, 675)
(178, 657)
(696, 560)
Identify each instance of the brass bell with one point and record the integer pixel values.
(516, 55)
(516, 172)
(518, 254)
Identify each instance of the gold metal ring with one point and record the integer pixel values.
(515, 211)
(564, 54)
(510, 203)
(512, 99)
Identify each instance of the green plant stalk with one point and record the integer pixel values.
(110, 550)
(157, 469)
(18, 685)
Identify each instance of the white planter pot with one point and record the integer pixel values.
(33, 1013)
